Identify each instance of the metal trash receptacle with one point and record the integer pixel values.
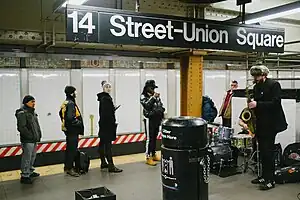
(185, 160)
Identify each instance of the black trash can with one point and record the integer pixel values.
(185, 159)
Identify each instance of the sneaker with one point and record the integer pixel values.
(71, 172)
(34, 175)
(114, 169)
(258, 180)
(267, 185)
(156, 157)
(150, 161)
(26, 180)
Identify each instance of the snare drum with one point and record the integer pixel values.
(225, 133)
(241, 141)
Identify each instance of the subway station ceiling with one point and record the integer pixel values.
(32, 27)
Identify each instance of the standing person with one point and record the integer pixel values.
(270, 120)
(107, 128)
(153, 111)
(30, 134)
(72, 126)
(225, 110)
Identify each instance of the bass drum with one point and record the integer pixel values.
(220, 153)
(291, 154)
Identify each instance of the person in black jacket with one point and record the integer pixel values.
(72, 126)
(30, 134)
(270, 120)
(153, 111)
(107, 128)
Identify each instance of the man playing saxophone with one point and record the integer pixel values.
(270, 120)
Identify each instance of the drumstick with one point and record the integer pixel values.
(250, 133)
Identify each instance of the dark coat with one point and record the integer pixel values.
(73, 118)
(28, 125)
(153, 107)
(270, 118)
(107, 121)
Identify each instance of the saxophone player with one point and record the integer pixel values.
(270, 120)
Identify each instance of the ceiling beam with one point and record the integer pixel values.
(266, 12)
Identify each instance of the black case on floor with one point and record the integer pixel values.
(289, 174)
(101, 193)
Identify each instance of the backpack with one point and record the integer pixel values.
(209, 110)
(82, 162)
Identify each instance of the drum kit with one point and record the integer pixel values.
(223, 143)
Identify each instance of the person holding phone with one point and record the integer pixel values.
(153, 111)
(107, 128)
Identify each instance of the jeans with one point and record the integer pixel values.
(28, 159)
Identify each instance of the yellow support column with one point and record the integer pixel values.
(191, 84)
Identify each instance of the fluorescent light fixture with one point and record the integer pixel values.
(273, 16)
(74, 2)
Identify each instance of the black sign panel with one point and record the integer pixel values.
(110, 26)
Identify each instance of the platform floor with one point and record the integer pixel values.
(138, 182)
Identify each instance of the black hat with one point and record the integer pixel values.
(28, 98)
(69, 90)
(150, 83)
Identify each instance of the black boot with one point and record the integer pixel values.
(113, 169)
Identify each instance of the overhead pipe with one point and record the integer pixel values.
(53, 37)
(137, 5)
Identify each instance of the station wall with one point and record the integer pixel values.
(47, 85)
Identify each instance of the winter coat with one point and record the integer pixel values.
(270, 117)
(107, 121)
(28, 125)
(72, 122)
(152, 107)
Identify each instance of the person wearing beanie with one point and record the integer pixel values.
(270, 120)
(153, 112)
(72, 126)
(30, 135)
(107, 128)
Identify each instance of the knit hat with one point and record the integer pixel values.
(28, 98)
(105, 83)
(69, 90)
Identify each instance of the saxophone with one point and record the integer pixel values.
(248, 115)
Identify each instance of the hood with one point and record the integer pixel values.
(205, 99)
(102, 94)
(24, 108)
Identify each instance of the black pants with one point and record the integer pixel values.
(71, 150)
(151, 130)
(105, 151)
(266, 147)
(226, 122)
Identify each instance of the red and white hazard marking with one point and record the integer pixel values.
(83, 143)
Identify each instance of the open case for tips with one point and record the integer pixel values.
(100, 193)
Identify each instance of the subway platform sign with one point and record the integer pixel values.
(111, 26)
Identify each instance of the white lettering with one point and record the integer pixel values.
(239, 34)
(259, 39)
(170, 27)
(160, 31)
(280, 41)
(117, 25)
(185, 32)
(129, 27)
(148, 28)
(216, 39)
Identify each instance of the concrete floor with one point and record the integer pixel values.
(138, 182)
